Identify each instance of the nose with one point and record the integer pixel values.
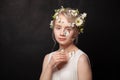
(62, 32)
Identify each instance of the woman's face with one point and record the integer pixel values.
(64, 34)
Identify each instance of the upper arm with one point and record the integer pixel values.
(84, 68)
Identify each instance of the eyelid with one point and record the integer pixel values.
(58, 27)
(69, 28)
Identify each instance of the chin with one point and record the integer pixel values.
(62, 43)
(65, 42)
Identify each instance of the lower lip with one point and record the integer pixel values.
(62, 39)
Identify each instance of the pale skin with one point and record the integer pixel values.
(57, 59)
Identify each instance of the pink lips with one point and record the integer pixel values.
(62, 39)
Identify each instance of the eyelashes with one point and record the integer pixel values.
(67, 28)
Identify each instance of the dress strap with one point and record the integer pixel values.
(49, 56)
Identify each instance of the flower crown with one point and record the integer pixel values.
(79, 18)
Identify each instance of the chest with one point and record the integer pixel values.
(67, 72)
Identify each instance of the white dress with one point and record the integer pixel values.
(69, 71)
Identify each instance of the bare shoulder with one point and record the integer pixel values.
(84, 59)
(47, 56)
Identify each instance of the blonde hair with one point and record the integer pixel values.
(73, 16)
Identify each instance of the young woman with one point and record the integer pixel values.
(68, 62)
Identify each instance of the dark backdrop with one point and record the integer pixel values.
(25, 36)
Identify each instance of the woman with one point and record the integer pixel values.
(68, 62)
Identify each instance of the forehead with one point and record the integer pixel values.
(62, 20)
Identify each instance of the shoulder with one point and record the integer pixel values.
(47, 56)
(46, 59)
(83, 58)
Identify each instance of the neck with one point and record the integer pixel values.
(67, 47)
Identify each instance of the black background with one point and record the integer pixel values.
(25, 36)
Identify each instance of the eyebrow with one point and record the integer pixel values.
(60, 26)
(57, 25)
(67, 26)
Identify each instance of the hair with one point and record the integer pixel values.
(68, 16)
(73, 16)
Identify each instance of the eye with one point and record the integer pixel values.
(57, 27)
(69, 29)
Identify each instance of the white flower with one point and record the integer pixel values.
(62, 9)
(81, 30)
(57, 17)
(83, 15)
(54, 16)
(58, 20)
(73, 12)
(78, 21)
(51, 24)
(72, 24)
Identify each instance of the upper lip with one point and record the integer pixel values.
(62, 38)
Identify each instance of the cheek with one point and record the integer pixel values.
(55, 33)
(71, 35)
